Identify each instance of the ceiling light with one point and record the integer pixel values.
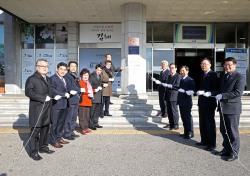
(1, 11)
(224, 2)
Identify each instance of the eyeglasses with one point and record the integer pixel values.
(204, 64)
(43, 66)
(228, 65)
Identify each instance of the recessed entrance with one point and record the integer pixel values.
(192, 58)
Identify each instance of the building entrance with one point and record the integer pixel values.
(192, 58)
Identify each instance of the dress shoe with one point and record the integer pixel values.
(231, 158)
(158, 114)
(63, 141)
(69, 137)
(75, 135)
(88, 131)
(35, 156)
(209, 148)
(48, 151)
(222, 153)
(92, 128)
(84, 132)
(164, 115)
(57, 145)
(107, 115)
(98, 126)
(174, 128)
(189, 136)
(111, 103)
(182, 135)
(101, 116)
(201, 144)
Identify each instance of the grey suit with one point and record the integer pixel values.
(230, 108)
(95, 82)
(171, 97)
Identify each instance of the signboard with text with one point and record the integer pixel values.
(98, 33)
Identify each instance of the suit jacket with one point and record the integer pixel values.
(72, 84)
(163, 78)
(183, 98)
(172, 94)
(209, 83)
(231, 91)
(58, 88)
(95, 82)
(36, 88)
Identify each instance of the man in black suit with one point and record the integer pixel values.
(59, 107)
(185, 92)
(207, 105)
(161, 89)
(73, 101)
(37, 88)
(173, 83)
(230, 107)
(95, 80)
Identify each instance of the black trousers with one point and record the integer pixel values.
(58, 120)
(229, 124)
(70, 120)
(39, 138)
(162, 101)
(94, 114)
(207, 125)
(106, 101)
(187, 119)
(173, 115)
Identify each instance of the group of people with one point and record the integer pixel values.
(224, 93)
(56, 101)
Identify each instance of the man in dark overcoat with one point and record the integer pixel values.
(37, 88)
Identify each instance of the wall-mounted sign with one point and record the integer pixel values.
(28, 64)
(98, 33)
(194, 33)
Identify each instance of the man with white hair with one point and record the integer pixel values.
(162, 90)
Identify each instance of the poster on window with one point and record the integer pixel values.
(45, 33)
(28, 64)
(47, 54)
(61, 56)
(61, 33)
(90, 57)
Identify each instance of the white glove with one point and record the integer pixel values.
(89, 91)
(67, 95)
(57, 97)
(218, 97)
(100, 88)
(164, 84)
(190, 92)
(207, 94)
(73, 92)
(153, 79)
(170, 86)
(181, 90)
(47, 98)
(111, 79)
(200, 92)
(105, 85)
(83, 90)
(157, 82)
(97, 90)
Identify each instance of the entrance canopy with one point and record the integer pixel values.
(61, 11)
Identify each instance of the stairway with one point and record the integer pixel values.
(127, 112)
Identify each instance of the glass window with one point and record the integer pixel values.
(225, 32)
(162, 32)
(1, 49)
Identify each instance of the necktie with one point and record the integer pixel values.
(204, 76)
(64, 83)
